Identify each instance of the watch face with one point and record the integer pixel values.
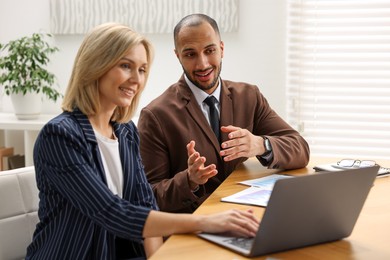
(267, 145)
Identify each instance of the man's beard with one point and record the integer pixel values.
(198, 85)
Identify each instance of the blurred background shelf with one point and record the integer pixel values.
(12, 128)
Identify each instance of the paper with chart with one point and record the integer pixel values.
(258, 193)
(266, 182)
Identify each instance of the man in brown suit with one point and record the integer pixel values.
(177, 141)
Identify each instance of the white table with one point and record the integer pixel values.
(31, 128)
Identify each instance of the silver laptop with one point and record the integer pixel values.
(306, 210)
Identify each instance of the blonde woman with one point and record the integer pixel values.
(95, 201)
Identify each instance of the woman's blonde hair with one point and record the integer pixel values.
(101, 49)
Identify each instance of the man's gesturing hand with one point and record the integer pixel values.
(197, 172)
(241, 143)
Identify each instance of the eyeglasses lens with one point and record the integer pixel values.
(346, 163)
(367, 163)
(356, 163)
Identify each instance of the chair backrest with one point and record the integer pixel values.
(18, 211)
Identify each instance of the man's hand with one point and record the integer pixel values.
(197, 172)
(241, 143)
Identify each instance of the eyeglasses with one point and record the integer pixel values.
(352, 163)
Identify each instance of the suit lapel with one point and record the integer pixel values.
(196, 113)
(226, 114)
(125, 144)
(227, 118)
(91, 138)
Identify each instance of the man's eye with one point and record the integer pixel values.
(189, 54)
(210, 51)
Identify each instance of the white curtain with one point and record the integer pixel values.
(338, 76)
(151, 16)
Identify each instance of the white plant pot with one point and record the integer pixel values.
(27, 106)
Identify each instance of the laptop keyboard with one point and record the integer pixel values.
(245, 243)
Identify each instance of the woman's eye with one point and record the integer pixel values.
(125, 66)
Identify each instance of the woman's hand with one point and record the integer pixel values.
(241, 223)
(236, 222)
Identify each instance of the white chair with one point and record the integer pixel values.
(18, 211)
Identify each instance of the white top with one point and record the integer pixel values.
(109, 150)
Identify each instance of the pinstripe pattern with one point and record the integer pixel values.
(79, 216)
(151, 16)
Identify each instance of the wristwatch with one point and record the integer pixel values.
(267, 146)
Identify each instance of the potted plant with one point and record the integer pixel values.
(23, 73)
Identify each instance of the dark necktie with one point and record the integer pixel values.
(211, 101)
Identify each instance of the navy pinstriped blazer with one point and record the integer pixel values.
(80, 218)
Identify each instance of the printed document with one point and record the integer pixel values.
(258, 193)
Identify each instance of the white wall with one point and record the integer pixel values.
(254, 54)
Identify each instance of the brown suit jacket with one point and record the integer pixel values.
(174, 118)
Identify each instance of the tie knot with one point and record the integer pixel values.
(211, 101)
